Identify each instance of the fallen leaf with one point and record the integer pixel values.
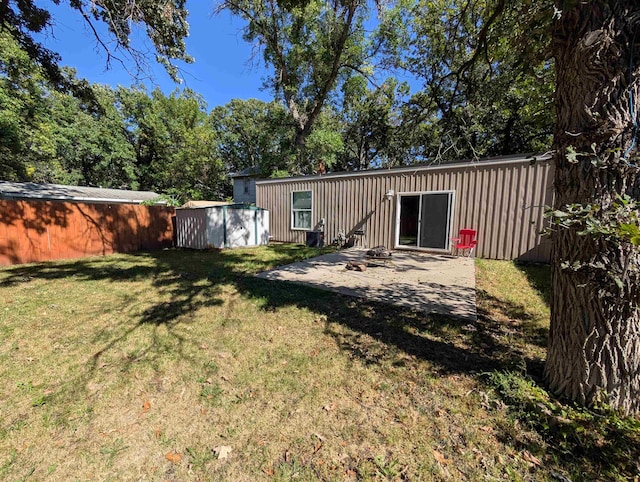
(532, 459)
(317, 447)
(173, 457)
(158, 433)
(287, 456)
(440, 457)
(268, 471)
(351, 473)
(330, 407)
(146, 406)
(222, 451)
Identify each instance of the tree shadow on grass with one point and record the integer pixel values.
(379, 331)
(184, 281)
(189, 280)
(373, 332)
(181, 288)
(506, 339)
(514, 320)
(590, 444)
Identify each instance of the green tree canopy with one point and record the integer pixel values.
(483, 92)
(253, 133)
(91, 147)
(174, 143)
(165, 24)
(313, 46)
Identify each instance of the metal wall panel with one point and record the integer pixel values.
(221, 227)
(504, 201)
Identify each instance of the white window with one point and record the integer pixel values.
(301, 207)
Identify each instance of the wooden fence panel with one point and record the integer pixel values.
(32, 231)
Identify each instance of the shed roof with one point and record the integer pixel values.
(394, 170)
(203, 204)
(58, 192)
(223, 205)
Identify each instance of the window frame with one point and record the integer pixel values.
(293, 211)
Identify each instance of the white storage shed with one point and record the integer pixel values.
(226, 226)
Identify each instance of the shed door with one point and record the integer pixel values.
(425, 220)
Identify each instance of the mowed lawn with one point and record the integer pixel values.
(179, 365)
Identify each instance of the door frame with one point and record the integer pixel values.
(448, 229)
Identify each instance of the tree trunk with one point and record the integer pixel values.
(594, 341)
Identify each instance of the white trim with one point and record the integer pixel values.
(400, 170)
(449, 228)
(292, 210)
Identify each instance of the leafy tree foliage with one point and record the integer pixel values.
(481, 96)
(174, 143)
(121, 139)
(91, 146)
(253, 133)
(23, 111)
(313, 47)
(165, 25)
(370, 121)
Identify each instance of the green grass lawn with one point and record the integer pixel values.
(153, 366)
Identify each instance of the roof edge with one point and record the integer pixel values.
(489, 161)
(31, 191)
(88, 200)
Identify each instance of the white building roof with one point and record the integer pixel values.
(58, 192)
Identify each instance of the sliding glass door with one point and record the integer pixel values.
(424, 220)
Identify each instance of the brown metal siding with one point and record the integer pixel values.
(503, 201)
(33, 231)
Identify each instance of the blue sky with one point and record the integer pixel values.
(222, 71)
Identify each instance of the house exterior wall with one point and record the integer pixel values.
(239, 194)
(32, 231)
(504, 201)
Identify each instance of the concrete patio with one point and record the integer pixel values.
(426, 282)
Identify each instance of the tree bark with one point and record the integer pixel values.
(594, 342)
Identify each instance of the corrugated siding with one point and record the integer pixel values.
(48, 230)
(504, 202)
(191, 228)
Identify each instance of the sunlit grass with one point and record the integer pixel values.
(139, 366)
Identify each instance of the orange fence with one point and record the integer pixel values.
(47, 230)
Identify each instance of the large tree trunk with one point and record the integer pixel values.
(594, 343)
